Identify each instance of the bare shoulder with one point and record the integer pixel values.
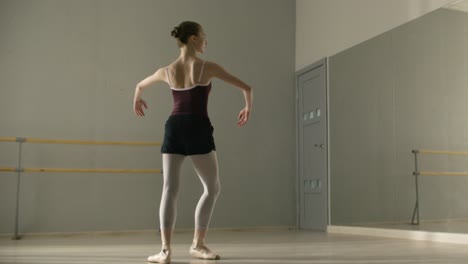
(157, 76)
(161, 70)
(170, 67)
(213, 69)
(211, 65)
(161, 73)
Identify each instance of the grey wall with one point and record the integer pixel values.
(403, 90)
(68, 70)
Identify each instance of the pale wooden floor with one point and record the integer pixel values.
(283, 246)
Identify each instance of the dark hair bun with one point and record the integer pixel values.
(185, 30)
(176, 32)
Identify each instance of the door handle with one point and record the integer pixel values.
(322, 146)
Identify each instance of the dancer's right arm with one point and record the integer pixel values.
(139, 103)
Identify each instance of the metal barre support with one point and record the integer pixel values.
(18, 182)
(416, 176)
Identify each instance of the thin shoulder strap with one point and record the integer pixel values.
(201, 71)
(168, 79)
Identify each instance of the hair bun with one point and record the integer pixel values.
(184, 30)
(175, 32)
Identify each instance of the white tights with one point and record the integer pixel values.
(206, 166)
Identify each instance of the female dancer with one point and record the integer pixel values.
(188, 132)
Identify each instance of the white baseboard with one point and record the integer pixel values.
(403, 234)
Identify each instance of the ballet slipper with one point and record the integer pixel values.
(162, 257)
(202, 252)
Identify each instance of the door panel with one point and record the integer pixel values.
(312, 148)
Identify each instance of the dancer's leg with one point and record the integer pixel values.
(168, 207)
(206, 166)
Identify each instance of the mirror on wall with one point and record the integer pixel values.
(405, 90)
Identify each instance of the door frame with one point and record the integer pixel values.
(325, 62)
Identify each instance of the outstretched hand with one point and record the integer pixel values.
(243, 117)
(138, 107)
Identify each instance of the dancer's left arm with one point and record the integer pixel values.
(217, 71)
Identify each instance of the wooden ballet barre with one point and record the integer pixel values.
(158, 171)
(442, 173)
(8, 139)
(422, 151)
(7, 169)
(91, 170)
(20, 169)
(90, 142)
(417, 173)
(78, 142)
